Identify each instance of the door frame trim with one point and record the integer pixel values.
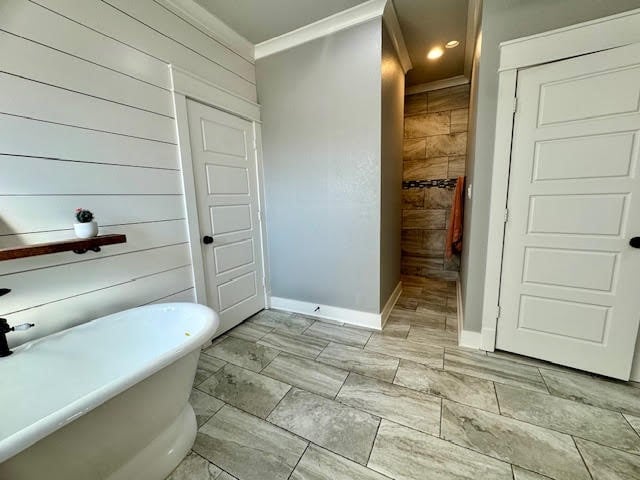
(186, 85)
(580, 39)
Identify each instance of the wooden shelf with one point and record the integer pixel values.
(78, 245)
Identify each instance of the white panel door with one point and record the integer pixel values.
(224, 167)
(570, 292)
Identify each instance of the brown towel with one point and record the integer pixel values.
(454, 234)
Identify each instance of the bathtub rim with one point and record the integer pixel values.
(23, 439)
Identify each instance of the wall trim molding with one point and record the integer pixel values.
(340, 21)
(329, 312)
(474, 19)
(466, 338)
(390, 19)
(206, 21)
(195, 87)
(391, 302)
(190, 199)
(459, 304)
(580, 39)
(326, 26)
(437, 85)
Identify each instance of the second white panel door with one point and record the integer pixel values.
(569, 291)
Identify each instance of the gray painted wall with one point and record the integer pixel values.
(321, 139)
(391, 156)
(505, 20)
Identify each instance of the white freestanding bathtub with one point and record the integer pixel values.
(104, 400)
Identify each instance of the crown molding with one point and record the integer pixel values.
(340, 21)
(437, 85)
(326, 26)
(390, 19)
(212, 26)
(474, 17)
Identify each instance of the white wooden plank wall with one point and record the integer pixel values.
(86, 120)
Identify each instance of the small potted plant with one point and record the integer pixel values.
(86, 226)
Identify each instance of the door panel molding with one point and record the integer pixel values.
(581, 39)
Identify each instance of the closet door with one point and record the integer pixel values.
(571, 263)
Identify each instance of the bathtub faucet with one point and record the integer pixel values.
(4, 329)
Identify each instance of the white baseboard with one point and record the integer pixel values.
(386, 311)
(488, 341)
(460, 312)
(339, 314)
(469, 339)
(466, 338)
(635, 366)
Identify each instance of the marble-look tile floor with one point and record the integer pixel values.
(284, 396)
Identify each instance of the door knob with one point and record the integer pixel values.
(635, 242)
(207, 239)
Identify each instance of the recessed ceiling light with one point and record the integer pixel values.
(435, 53)
(452, 44)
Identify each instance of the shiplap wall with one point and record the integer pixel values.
(87, 120)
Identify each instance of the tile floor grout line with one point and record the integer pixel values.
(242, 409)
(629, 423)
(255, 343)
(492, 380)
(546, 477)
(582, 457)
(544, 381)
(460, 446)
(495, 392)
(341, 387)
(307, 390)
(222, 470)
(270, 362)
(345, 458)
(441, 414)
(513, 473)
(548, 392)
(395, 373)
(598, 443)
(309, 441)
(573, 436)
(373, 442)
(299, 459)
(291, 387)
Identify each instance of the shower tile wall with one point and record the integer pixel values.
(435, 147)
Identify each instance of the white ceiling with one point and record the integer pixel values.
(424, 23)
